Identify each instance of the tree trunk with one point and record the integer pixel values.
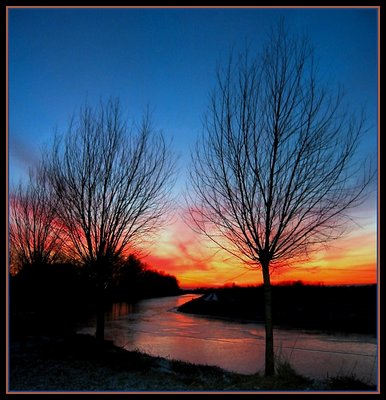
(100, 313)
(269, 352)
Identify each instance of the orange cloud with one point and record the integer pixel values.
(196, 262)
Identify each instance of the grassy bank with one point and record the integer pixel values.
(78, 363)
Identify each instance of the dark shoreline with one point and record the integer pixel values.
(328, 309)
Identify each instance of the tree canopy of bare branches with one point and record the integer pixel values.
(276, 171)
(111, 186)
(34, 233)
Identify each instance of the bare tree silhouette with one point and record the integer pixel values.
(111, 188)
(34, 232)
(276, 173)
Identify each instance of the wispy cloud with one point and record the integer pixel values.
(22, 152)
(195, 262)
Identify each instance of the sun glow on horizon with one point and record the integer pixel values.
(197, 263)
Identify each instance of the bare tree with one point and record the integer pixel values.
(275, 174)
(111, 187)
(34, 232)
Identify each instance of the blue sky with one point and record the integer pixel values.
(166, 59)
(162, 58)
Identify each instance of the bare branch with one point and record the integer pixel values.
(111, 185)
(276, 170)
(35, 233)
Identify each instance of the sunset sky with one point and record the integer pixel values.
(166, 59)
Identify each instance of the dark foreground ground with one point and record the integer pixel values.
(77, 363)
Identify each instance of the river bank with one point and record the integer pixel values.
(343, 309)
(77, 363)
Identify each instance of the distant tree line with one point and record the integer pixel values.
(47, 296)
(134, 280)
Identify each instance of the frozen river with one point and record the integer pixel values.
(155, 327)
